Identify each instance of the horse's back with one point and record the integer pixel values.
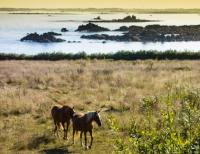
(55, 112)
(77, 115)
(61, 114)
(79, 122)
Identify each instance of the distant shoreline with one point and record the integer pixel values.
(44, 13)
(98, 10)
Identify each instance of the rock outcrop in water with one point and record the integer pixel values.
(90, 27)
(53, 33)
(97, 18)
(131, 29)
(152, 33)
(130, 19)
(125, 19)
(64, 30)
(43, 38)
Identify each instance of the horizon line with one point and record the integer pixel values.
(100, 8)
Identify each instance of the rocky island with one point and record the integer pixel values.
(64, 30)
(90, 27)
(152, 33)
(125, 19)
(43, 38)
(97, 18)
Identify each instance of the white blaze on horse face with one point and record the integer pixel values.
(99, 115)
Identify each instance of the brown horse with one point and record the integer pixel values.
(62, 115)
(83, 123)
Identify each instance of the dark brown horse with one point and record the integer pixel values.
(62, 115)
(83, 123)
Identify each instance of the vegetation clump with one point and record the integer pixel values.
(121, 55)
(171, 124)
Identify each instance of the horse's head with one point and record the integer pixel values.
(97, 118)
(68, 111)
(72, 112)
(93, 116)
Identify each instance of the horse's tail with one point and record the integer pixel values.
(54, 110)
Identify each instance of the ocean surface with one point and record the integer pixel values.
(15, 26)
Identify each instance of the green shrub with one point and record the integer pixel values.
(179, 127)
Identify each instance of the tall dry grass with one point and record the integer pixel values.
(28, 90)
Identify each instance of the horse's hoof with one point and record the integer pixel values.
(89, 147)
(86, 147)
(65, 138)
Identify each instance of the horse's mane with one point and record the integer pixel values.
(77, 115)
(89, 115)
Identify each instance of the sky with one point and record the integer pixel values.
(100, 3)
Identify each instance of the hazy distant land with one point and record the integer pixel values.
(100, 10)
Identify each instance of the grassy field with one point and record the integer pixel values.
(121, 89)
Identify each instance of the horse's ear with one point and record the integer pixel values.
(98, 111)
(73, 107)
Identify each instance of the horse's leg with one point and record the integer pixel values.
(68, 123)
(91, 139)
(85, 134)
(73, 135)
(63, 125)
(55, 129)
(81, 138)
